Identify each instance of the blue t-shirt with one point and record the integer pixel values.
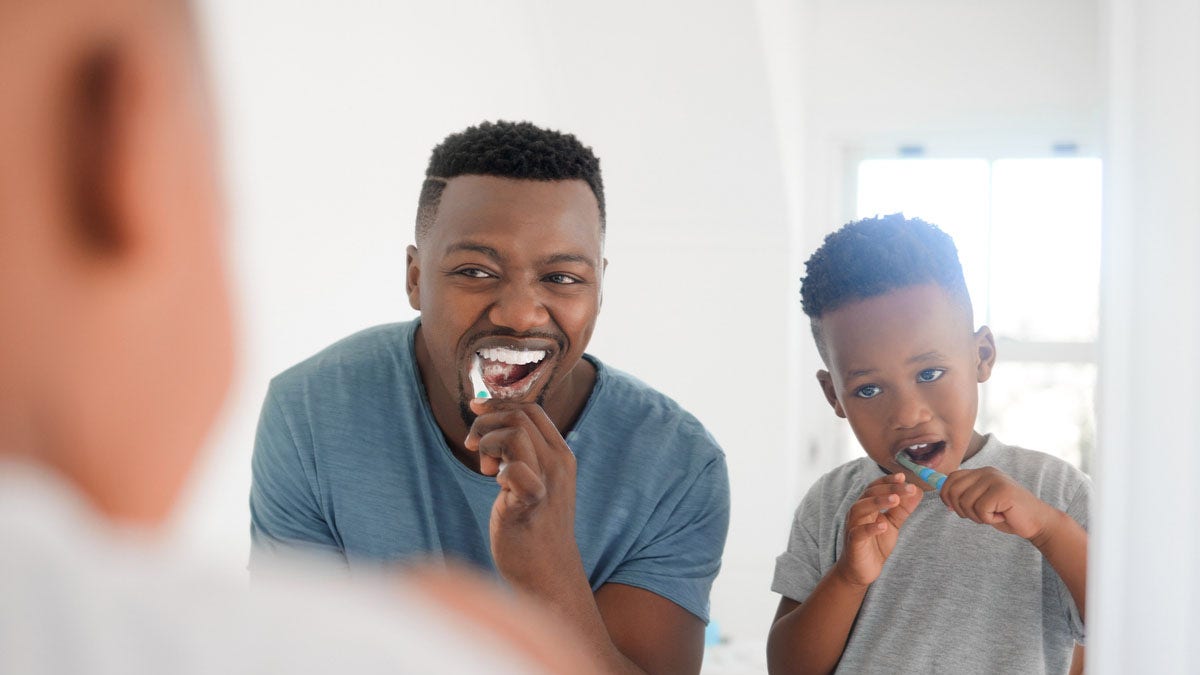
(348, 459)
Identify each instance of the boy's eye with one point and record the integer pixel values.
(930, 374)
(868, 391)
(561, 279)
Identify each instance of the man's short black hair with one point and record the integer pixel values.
(873, 256)
(517, 150)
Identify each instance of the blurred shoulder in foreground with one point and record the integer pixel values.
(116, 351)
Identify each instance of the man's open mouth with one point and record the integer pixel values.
(926, 454)
(511, 372)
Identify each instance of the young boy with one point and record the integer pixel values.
(884, 573)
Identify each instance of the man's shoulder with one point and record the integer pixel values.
(373, 353)
(629, 406)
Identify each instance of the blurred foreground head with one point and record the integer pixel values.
(115, 340)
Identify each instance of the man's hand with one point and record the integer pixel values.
(873, 526)
(532, 526)
(989, 496)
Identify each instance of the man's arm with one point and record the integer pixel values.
(285, 513)
(625, 629)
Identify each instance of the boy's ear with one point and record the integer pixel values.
(826, 381)
(412, 278)
(985, 345)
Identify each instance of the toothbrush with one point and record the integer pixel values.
(477, 383)
(923, 472)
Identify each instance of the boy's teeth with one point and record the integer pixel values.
(919, 446)
(513, 357)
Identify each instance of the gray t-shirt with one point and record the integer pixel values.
(955, 596)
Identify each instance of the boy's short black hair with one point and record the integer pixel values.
(869, 257)
(517, 150)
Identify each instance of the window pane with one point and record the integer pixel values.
(950, 193)
(1042, 406)
(1045, 249)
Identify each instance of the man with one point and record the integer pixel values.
(577, 483)
(115, 352)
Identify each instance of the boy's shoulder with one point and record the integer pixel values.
(1053, 480)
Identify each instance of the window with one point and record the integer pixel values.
(1028, 236)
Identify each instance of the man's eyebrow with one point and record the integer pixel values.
(477, 248)
(567, 258)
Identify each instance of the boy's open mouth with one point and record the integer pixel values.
(926, 454)
(511, 372)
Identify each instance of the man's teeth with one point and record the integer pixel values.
(513, 357)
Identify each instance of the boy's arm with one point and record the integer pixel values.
(989, 496)
(811, 636)
(1064, 544)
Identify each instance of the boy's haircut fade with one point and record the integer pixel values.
(869, 257)
(517, 150)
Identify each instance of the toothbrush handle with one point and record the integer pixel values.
(923, 472)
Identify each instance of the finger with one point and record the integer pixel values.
(510, 444)
(977, 500)
(497, 419)
(865, 510)
(521, 487)
(858, 535)
(890, 489)
(956, 483)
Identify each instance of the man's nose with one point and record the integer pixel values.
(520, 307)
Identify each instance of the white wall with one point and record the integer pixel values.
(722, 128)
(1144, 596)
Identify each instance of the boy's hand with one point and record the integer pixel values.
(871, 534)
(987, 495)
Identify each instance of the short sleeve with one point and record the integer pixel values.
(285, 512)
(1077, 509)
(680, 561)
(799, 569)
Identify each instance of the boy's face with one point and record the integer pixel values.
(904, 369)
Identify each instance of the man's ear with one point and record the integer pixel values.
(985, 345)
(603, 271)
(412, 278)
(826, 382)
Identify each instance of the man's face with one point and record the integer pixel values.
(904, 369)
(510, 271)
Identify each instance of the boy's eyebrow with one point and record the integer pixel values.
(919, 358)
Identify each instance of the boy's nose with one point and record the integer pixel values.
(518, 307)
(909, 412)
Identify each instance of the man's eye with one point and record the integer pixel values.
(473, 272)
(561, 279)
(868, 391)
(930, 374)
